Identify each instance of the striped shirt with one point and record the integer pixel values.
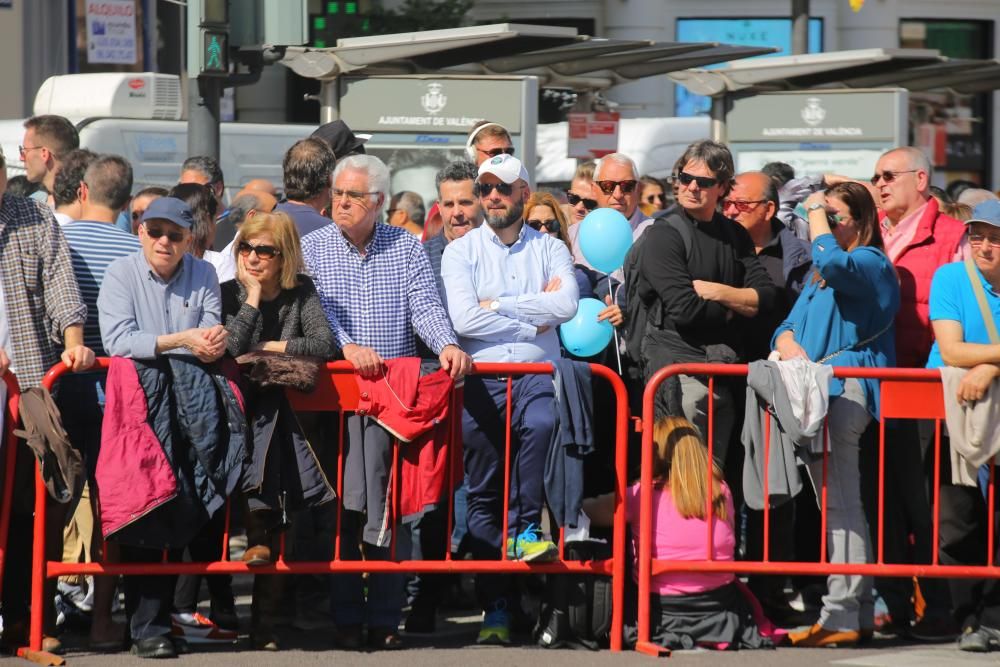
(379, 299)
(92, 247)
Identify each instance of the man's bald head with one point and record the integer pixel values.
(248, 203)
(260, 185)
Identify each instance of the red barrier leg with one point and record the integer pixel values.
(506, 474)
(643, 645)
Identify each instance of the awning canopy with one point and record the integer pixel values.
(913, 69)
(558, 56)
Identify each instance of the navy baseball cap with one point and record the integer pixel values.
(170, 209)
(988, 212)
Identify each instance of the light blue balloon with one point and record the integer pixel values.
(583, 335)
(605, 237)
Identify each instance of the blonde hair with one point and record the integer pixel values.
(680, 461)
(546, 199)
(286, 240)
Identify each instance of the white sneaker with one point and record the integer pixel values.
(197, 629)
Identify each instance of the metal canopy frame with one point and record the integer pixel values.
(557, 56)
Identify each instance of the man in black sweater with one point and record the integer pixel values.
(708, 281)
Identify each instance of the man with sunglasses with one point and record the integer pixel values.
(41, 323)
(918, 239)
(508, 287)
(580, 195)
(488, 140)
(709, 286)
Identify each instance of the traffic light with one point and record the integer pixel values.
(208, 45)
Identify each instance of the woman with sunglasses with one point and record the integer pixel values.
(844, 317)
(652, 196)
(580, 195)
(272, 306)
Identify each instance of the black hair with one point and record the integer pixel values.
(307, 168)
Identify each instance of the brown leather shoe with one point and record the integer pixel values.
(384, 639)
(257, 555)
(819, 637)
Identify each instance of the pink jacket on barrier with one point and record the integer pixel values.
(133, 474)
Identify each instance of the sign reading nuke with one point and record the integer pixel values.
(439, 104)
(810, 116)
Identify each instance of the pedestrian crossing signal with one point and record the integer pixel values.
(215, 53)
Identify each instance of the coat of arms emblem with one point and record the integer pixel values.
(812, 113)
(433, 100)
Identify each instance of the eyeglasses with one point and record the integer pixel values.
(652, 199)
(980, 239)
(574, 199)
(493, 152)
(352, 196)
(484, 189)
(702, 181)
(263, 251)
(743, 205)
(608, 187)
(155, 233)
(551, 226)
(889, 176)
(24, 149)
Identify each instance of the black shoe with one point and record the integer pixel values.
(422, 620)
(153, 647)
(384, 639)
(224, 616)
(348, 637)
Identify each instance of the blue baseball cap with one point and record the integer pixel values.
(170, 209)
(988, 212)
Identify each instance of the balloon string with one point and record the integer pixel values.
(614, 330)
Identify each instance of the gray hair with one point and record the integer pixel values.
(973, 197)
(459, 170)
(377, 172)
(241, 207)
(615, 158)
(411, 203)
(915, 157)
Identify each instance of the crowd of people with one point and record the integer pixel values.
(210, 311)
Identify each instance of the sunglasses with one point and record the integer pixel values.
(608, 187)
(156, 233)
(493, 152)
(889, 176)
(574, 199)
(743, 206)
(652, 199)
(263, 251)
(551, 226)
(137, 215)
(702, 181)
(484, 189)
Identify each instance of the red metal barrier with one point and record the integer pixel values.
(337, 390)
(904, 394)
(10, 417)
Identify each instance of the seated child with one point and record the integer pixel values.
(711, 609)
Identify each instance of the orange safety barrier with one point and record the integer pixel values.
(904, 393)
(10, 417)
(337, 391)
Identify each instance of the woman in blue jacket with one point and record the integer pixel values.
(844, 317)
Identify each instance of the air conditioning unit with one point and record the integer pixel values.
(147, 96)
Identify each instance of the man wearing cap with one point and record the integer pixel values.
(508, 287)
(41, 322)
(307, 168)
(376, 287)
(339, 137)
(965, 339)
(159, 300)
(918, 238)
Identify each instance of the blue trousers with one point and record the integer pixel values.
(483, 430)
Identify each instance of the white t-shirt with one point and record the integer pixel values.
(224, 262)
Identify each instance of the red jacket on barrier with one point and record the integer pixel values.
(934, 244)
(416, 409)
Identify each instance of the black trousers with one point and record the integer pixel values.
(963, 533)
(205, 547)
(148, 597)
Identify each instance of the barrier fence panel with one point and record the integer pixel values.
(10, 417)
(904, 394)
(337, 391)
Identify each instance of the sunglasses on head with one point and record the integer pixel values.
(156, 232)
(574, 199)
(493, 152)
(889, 176)
(484, 189)
(702, 181)
(263, 251)
(551, 226)
(608, 187)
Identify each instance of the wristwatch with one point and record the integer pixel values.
(815, 207)
(495, 305)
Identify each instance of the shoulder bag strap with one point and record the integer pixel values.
(984, 309)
